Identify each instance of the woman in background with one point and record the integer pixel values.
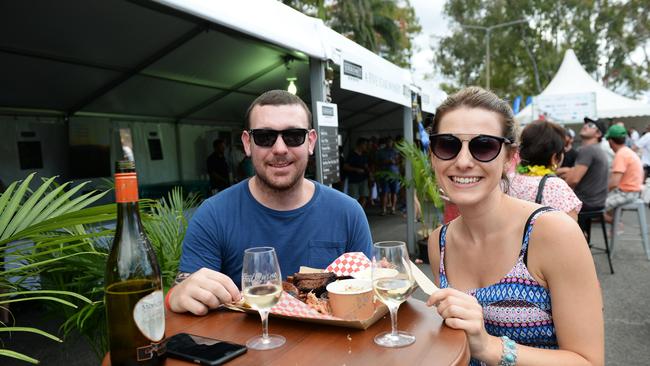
(530, 301)
(541, 150)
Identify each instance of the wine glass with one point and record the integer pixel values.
(261, 283)
(392, 282)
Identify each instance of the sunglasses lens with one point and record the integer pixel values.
(294, 138)
(446, 147)
(484, 148)
(265, 138)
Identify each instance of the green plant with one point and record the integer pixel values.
(424, 183)
(53, 235)
(25, 215)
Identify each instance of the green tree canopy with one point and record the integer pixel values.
(524, 57)
(386, 27)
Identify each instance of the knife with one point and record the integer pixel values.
(422, 280)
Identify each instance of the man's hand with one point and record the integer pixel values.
(205, 289)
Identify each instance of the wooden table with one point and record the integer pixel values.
(317, 344)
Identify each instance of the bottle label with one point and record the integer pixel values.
(126, 187)
(149, 316)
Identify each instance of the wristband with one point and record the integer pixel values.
(169, 292)
(509, 352)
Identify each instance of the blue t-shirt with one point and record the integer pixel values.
(313, 235)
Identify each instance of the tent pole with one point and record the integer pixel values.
(317, 87)
(410, 207)
(179, 153)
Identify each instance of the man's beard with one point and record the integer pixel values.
(267, 184)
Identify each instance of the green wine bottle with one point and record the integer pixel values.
(133, 286)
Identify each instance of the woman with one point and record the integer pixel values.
(540, 292)
(541, 151)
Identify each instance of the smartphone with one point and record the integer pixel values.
(202, 350)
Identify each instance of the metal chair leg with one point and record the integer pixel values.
(643, 226)
(618, 212)
(609, 256)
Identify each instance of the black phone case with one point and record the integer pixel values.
(186, 355)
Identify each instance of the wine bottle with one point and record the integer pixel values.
(135, 311)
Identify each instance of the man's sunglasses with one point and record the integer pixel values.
(483, 148)
(292, 137)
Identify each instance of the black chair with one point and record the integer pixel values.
(584, 220)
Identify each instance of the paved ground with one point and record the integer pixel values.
(626, 294)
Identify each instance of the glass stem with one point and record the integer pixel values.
(393, 320)
(264, 314)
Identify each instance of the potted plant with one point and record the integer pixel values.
(426, 192)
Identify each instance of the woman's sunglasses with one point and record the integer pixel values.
(292, 137)
(483, 148)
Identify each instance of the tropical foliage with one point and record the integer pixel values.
(424, 183)
(525, 57)
(52, 236)
(386, 27)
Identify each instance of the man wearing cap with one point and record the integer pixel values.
(626, 178)
(588, 177)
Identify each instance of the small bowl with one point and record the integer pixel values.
(351, 299)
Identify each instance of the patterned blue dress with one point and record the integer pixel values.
(517, 306)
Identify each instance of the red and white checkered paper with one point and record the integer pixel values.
(344, 265)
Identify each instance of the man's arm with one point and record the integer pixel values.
(572, 176)
(614, 180)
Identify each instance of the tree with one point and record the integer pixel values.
(385, 27)
(524, 57)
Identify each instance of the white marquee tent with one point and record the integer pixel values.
(572, 78)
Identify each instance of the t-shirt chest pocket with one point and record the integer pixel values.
(323, 252)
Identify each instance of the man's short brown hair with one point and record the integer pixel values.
(277, 97)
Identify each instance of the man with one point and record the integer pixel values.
(570, 153)
(643, 144)
(218, 167)
(626, 178)
(306, 222)
(588, 177)
(356, 169)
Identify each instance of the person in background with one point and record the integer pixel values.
(388, 159)
(626, 177)
(218, 169)
(570, 154)
(356, 170)
(541, 151)
(529, 301)
(307, 223)
(643, 146)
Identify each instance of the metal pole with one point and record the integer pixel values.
(487, 61)
(408, 172)
(317, 87)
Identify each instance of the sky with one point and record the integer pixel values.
(434, 24)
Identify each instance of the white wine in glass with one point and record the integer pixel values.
(392, 282)
(262, 286)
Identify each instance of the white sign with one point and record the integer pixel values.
(374, 80)
(565, 108)
(327, 114)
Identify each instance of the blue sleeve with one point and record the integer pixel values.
(361, 237)
(201, 246)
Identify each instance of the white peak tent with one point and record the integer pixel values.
(573, 79)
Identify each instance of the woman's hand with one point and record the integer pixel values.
(462, 311)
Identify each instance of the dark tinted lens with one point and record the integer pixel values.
(484, 148)
(264, 138)
(446, 147)
(294, 138)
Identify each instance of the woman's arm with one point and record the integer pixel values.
(434, 254)
(558, 258)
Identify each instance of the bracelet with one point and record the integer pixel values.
(509, 353)
(169, 292)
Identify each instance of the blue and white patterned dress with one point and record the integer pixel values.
(516, 306)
